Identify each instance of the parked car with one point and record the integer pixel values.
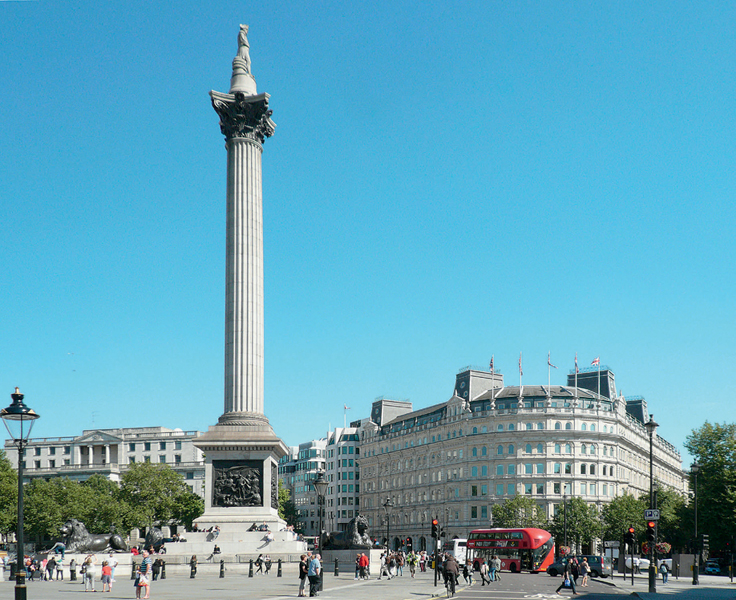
(712, 568)
(600, 566)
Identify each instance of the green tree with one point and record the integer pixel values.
(620, 514)
(8, 495)
(155, 493)
(583, 523)
(520, 511)
(189, 507)
(714, 448)
(287, 509)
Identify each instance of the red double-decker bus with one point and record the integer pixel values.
(519, 549)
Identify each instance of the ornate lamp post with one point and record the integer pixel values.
(564, 504)
(388, 505)
(19, 419)
(320, 486)
(651, 428)
(694, 468)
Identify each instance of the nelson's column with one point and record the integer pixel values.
(242, 451)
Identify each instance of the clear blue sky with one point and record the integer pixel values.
(448, 181)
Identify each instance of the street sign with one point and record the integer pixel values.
(651, 514)
(612, 544)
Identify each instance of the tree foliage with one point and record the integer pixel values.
(583, 523)
(620, 514)
(287, 509)
(520, 511)
(8, 495)
(714, 448)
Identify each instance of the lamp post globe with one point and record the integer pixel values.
(18, 419)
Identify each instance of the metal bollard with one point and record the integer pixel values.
(278, 573)
(337, 569)
(13, 569)
(321, 580)
(250, 568)
(132, 570)
(222, 568)
(163, 569)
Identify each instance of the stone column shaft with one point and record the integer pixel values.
(244, 279)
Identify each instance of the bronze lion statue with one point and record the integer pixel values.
(354, 538)
(77, 539)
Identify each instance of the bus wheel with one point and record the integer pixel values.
(513, 568)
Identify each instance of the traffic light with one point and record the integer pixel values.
(651, 531)
(435, 528)
(630, 538)
(706, 542)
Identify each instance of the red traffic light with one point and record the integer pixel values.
(651, 524)
(435, 522)
(631, 530)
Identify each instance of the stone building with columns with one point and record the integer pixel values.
(490, 442)
(109, 452)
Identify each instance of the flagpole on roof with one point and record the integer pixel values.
(521, 374)
(576, 375)
(493, 380)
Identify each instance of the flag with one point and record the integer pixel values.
(549, 361)
(520, 370)
(596, 361)
(491, 365)
(576, 364)
(346, 407)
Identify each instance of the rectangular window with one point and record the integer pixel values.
(484, 471)
(177, 459)
(67, 449)
(131, 460)
(583, 489)
(52, 450)
(146, 446)
(557, 488)
(162, 458)
(484, 490)
(528, 489)
(499, 489)
(499, 469)
(473, 490)
(162, 445)
(473, 512)
(52, 465)
(483, 512)
(528, 469)
(511, 489)
(190, 475)
(540, 469)
(592, 489)
(67, 461)
(37, 451)
(147, 459)
(540, 489)
(131, 447)
(512, 469)
(474, 472)
(177, 445)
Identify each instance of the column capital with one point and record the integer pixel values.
(243, 116)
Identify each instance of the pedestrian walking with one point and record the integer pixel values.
(259, 564)
(89, 572)
(567, 580)
(468, 572)
(574, 569)
(303, 571)
(665, 572)
(315, 568)
(484, 574)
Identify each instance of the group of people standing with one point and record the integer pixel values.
(310, 568)
(574, 569)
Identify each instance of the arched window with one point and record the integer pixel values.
(558, 426)
(475, 451)
(475, 430)
(499, 427)
(528, 449)
(582, 469)
(540, 425)
(511, 427)
(483, 451)
(584, 427)
(558, 448)
(605, 450)
(540, 449)
(511, 448)
(605, 429)
(529, 427)
(592, 469)
(568, 448)
(604, 470)
(592, 448)
(568, 469)
(568, 425)
(499, 450)
(484, 429)
(592, 426)
(583, 449)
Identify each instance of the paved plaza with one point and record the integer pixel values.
(237, 585)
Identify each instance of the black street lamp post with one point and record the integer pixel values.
(15, 417)
(694, 468)
(388, 505)
(320, 486)
(564, 501)
(651, 428)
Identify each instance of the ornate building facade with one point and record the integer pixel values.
(109, 452)
(490, 442)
